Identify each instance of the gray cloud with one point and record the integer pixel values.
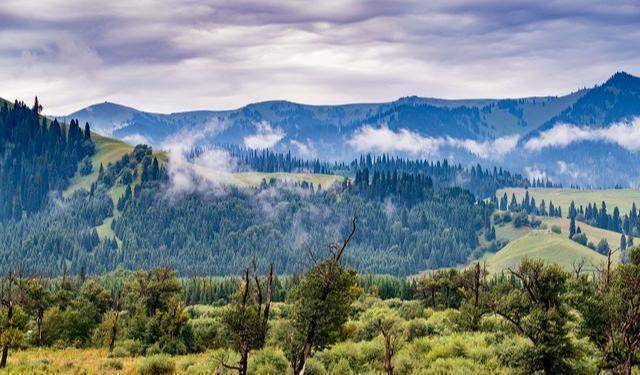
(171, 55)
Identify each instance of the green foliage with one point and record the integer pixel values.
(112, 364)
(322, 301)
(156, 229)
(157, 365)
(268, 361)
(534, 306)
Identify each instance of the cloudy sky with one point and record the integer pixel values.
(173, 55)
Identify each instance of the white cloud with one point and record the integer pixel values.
(266, 136)
(624, 134)
(303, 149)
(571, 170)
(494, 150)
(136, 139)
(383, 139)
(208, 169)
(535, 173)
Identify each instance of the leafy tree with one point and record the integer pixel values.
(623, 304)
(320, 304)
(475, 289)
(247, 319)
(534, 305)
(13, 320)
(37, 299)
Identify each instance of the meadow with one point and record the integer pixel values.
(621, 198)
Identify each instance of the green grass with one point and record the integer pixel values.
(621, 198)
(254, 178)
(108, 150)
(593, 234)
(550, 247)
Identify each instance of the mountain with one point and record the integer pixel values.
(476, 119)
(599, 155)
(466, 131)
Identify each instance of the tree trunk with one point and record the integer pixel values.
(244, 362)
(5, 354)
(5, 348)
(628, 362)
(303, 359)
(388, 366)
(39, 327)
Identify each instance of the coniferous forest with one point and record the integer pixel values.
(38, 156)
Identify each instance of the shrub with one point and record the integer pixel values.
(112, 364)
(556, 229)
(119, 352)
(268, 361)
(411, 309)
(417, 328)
(131, 347)
(157, 365)
(341, 368)
(580, 238)
(208, 333)
(314, 367)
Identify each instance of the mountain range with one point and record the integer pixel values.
(585, 138)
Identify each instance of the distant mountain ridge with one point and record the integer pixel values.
(459, 128)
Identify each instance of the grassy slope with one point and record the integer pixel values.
(551, 247)
(622, 198)
(254, 178)
(108, 150)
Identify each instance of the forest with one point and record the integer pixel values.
(482, 182)
(535, 318)
(37, 156)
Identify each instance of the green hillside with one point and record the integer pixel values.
(108, 150)
(621, 198)
(550, 247)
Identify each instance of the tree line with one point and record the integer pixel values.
(37, 156)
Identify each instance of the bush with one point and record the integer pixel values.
(112, 364)
(157, 365)
(208, 333)
(314, 367)
(556, 229)
(342, 368)
(133, 348)
(119, 352)
(268, 361)
(411, 309)
(580, 238)
(417, 328)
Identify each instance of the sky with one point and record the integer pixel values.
(176, 55)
